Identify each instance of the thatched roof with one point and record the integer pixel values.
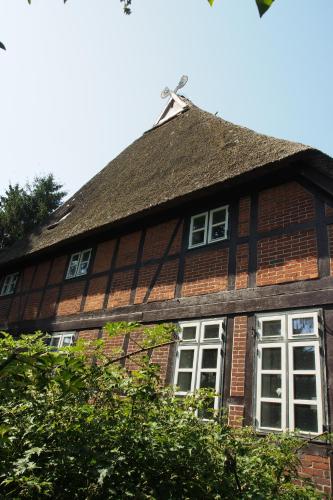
(191, 152)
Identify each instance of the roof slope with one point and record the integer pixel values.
(192, 151)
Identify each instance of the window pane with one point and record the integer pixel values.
(303, 326)
(55, 341)
(208, 380)
(84, 267)
(67, 340)
(271, 415)
(189, 332)
(186, 359)
(271, 328)
(211, 332)
(217, 232)
(305, 387)
(198, 237)
(75, 258)
(306, 418)
(271, 386)
(304, 358)
(271, 358)
(209, 358)
(184, 381)
(219, 216)
(199, 222)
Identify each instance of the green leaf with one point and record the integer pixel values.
(263, 6)
(211, 2)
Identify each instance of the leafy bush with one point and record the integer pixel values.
(78, 427)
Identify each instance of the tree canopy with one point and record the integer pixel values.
(21, 208)
(76, 424)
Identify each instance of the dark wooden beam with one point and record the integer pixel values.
(311, 293)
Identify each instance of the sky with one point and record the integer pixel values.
(79, 82)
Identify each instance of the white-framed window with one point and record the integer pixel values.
(290, 374)
(78, 264)
(209, 227)
(199, 359)
(61, 339)
(9, 284)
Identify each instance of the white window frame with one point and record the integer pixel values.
(317, 372)
(199, 345)
(61, 336)
(301, 316)
(208, 227)
(205, 229)
(211, 225)
(277, 317)
(282, 372)
(286, 342)
(9, 284)
(73, 256)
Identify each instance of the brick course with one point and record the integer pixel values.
(316, 468)
(242, 266)
(244, 216)
(238, 356)
(157, 239)
(121, 289)
(70, 300)
(165, 285)
(330, 242)
(205, 272)
(41, 275)
(49, 303)
(291, 257)
(58, 270)
(235, 415)
(96, 293)
(128, 249)
(283, 205)
(103, 257)
(32, 305)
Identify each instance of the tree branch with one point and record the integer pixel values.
(139, 351)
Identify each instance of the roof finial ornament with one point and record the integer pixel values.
(168, 93)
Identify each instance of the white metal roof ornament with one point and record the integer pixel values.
(168, 93)
(175, 104)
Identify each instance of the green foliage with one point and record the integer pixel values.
(21, 208)
(263, 6)
(71, 428)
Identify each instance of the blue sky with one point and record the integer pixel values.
(79, 82)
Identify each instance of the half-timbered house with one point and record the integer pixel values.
(218, 228)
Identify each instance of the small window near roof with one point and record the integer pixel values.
(79, 264)
(9, 284)
(209, 227)
(61, 339)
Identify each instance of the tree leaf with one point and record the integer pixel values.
(263, 6)
(2, 46)
(211, 2)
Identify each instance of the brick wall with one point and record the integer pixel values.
(103, 257)
(128, 249)
(238, 356)
(235, 415)
(244, 216)
(49, 303)
(284, 205)
(121, 289)
(290, 257)
(32, 305)
(205, 272)
(316, 468)
(158, 237)
(70, 299)
(96, 293)
(242, 266)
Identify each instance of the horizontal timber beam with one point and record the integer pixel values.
(309, 293)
